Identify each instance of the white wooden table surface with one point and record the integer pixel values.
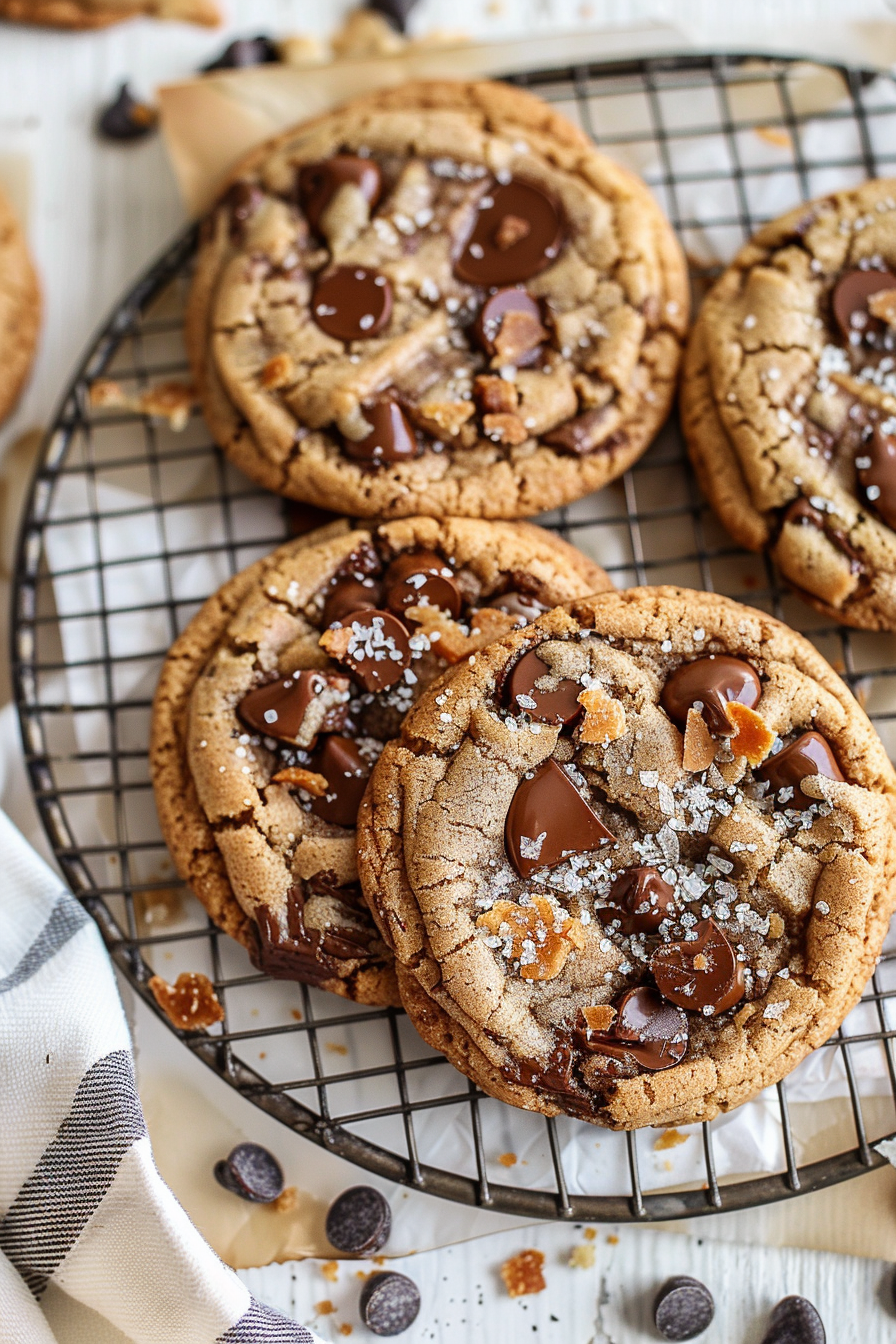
(95, 214)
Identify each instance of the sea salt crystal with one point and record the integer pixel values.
(773, 1011)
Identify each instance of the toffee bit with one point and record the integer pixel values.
(524, 1273)
(191, 1003)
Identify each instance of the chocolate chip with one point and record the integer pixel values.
(522, 605)
(509, 327)
(523, 695)
(251, 1172)
(583, 433)
(647, 1030)
(809, 755)
(850, 302)
(392, 438)
(421, 578)
(795, 1321)
(389, 1303)
(347, 595)
(346, 772)
(489, 256)
(245, 51)
(281, 708)
(548, 819)
(396, 11)
(359, 1221)
(352, 303)
(378, 649)
(319, 183)
(802, 514)
(683, 1309)
(126, 118)
(702, 974)
(878, 479)
(242, 199)
(641, 900)
(712, 682)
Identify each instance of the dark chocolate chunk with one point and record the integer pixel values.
(392, 438)
(389, 1303)
(378, 650)
(803, 514)
(421, 578)
(647, 1030)
(359, 1221)
(683, 1309)
(795, 1321)
(313, 953)
(712, 683)
(347, 595)
(516, 233)
(319, 183)
(352, 303)
(702, 974)
(522, 605)
(302, 518)
(346, 772)
(242, 200)
(125, 118)
(522, 694)
(641, 900)
(243, 52)
(509, 327)
(548, 819)
(850, 303)
(878, 479)
(551, 1074)
(251, 1172)
(396, 11)
(280, 708)
(809, 755)
(584, 433)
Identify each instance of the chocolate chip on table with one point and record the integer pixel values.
(523, 695)
(319, 183)
(703, 974)
(646, 1029)
(683, 1309)
(396, 11)
(389, 1303)
(251, 1172)
(421, 578)
(126, 118)
(352, 303)
(359, 1221)
(713, 681)
(391, 439)
(878, 477)
(243, 52)
(795, 1321)
(548, 820)
(517, 233)
(809, 755)
(850, 302)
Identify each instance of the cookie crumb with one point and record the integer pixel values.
(330, 1270)
(582, 1257)
(508, 1159)
(523, 1274)
(670, 1138)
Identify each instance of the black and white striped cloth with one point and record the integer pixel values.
(93, 1245)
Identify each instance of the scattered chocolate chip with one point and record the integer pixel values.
(683, 1309)
(421, 578)
(522, 605)
(809, 755)
(297, 707)
(352, 303)
(251, 1172)
(711, 683)
(641, 900)
(359, 1221)
(350, 594)
(548, 819)
(501, 253)
(375, 648)
(523, 695)
(509, 327)
(392, 438)
(850, 302)
(396, 11)
(245, 51)
(795, 1321)
(647, 1030)
(126, 118)
(319, 183)
(878, 479)
(346, 771)
(389, 1303)
(702, 974)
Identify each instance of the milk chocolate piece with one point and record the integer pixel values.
(517, 232)
(378, 651)
(647, 1030)
(584, 433)
(808, 755)
(523, 606)
(509, 327)
(319, 183)
(711, 683)
(349, 594)
(352, 303)
(701, 974)
(421, 578)
(392, 438)
(548, 820)
(641, 900)
(849, 302)
(522, 695)
(281, 708)
(346, 772)
(878, 480)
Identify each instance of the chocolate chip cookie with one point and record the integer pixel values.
(438, 299)
(101, 13)
(20, 309)
(789, 401)
(635, 860)
(276, 700)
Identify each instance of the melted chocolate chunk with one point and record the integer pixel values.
(379, 649)
(348, 595)
(346, 772)
(279, 708)
(521, 694)
(522, 605)
(553, 1073)
(849, 303)
(648, 1031)
(641, 901)
(319, 183)
(242, 200)
(548, 820)
(352, 303)
(802, 514)
(245, 51)
(878, 479)
(517, 232)
(711, 682)
(702, 974)
(306, 954)
(584, 433)
(509, 326)
(392, 438)
(808, 755)
(421, 578)
(126, 118)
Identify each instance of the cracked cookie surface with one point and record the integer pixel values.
(439, 298)
(639, 884)
(276, 700)
(20, 309)
(789, 401)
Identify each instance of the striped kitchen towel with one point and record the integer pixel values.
(93, 1245)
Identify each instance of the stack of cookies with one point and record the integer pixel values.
(625, 856)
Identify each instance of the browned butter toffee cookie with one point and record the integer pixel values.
(276, 701)
(648, 910)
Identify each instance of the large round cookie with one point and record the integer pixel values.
(101, 13)
(438, 299)
(19, 309)
(596, 903)
(789, 398)
(262, 742)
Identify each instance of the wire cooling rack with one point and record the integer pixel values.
(130, 526)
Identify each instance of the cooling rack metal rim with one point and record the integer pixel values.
(713, 1195)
